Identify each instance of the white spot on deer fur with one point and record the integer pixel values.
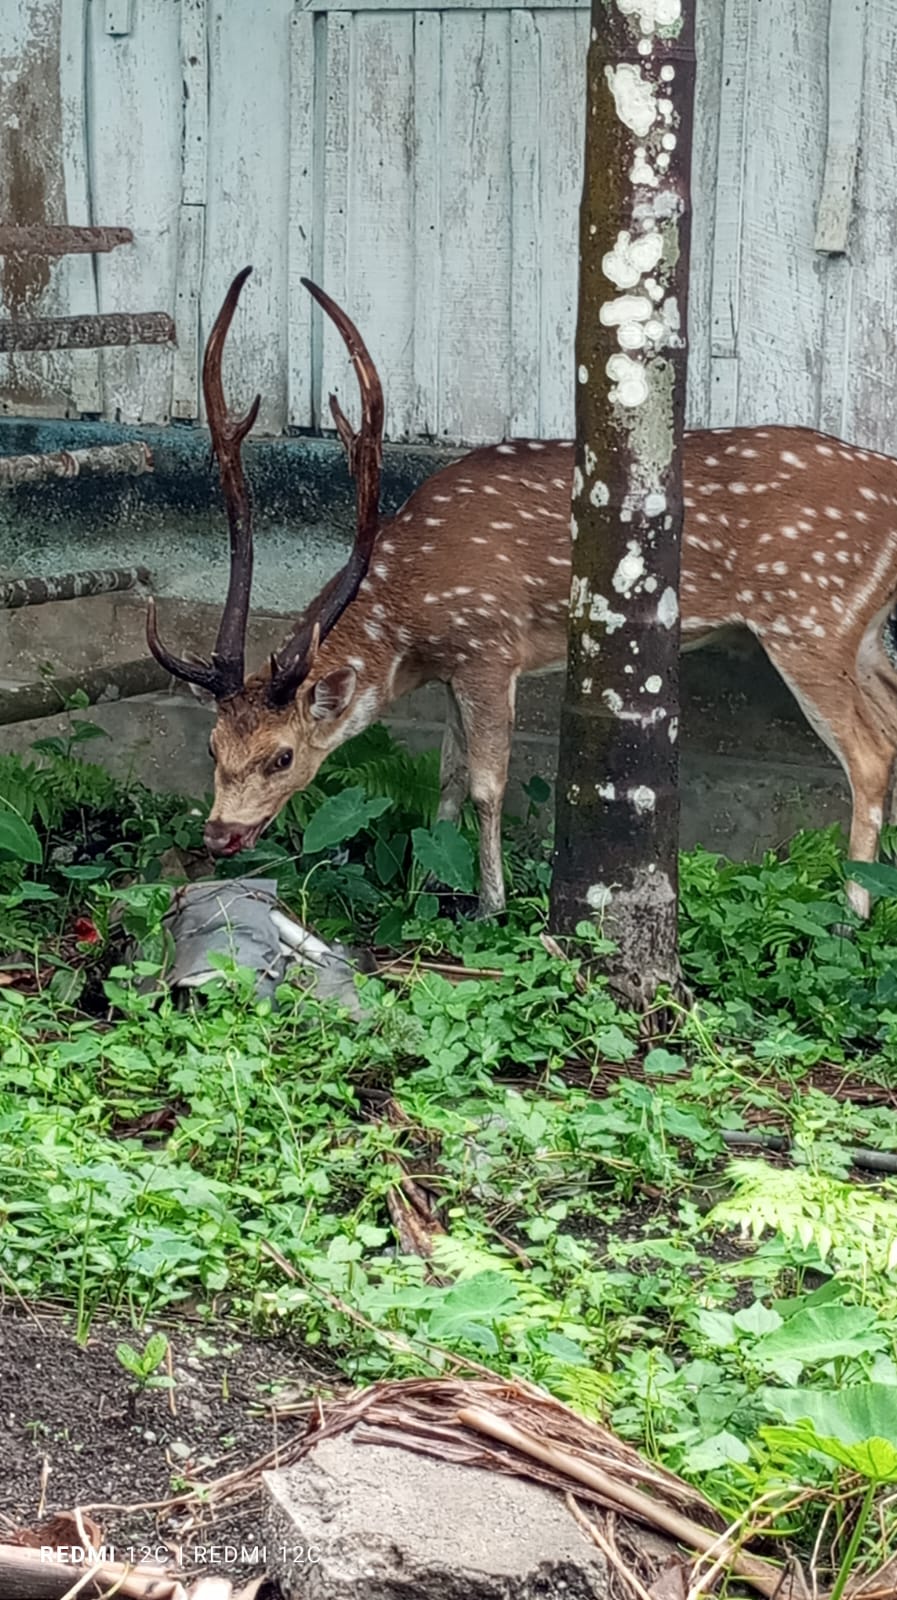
(629, 570)
(583, 374)
(599, 896)
(489, 488)
(735, 488)
(779, 568)
(379, 570)
(373, 631)
(868, 494)
(630, 259)
(559, 561)
(654, 684)
(643, 799)
(633, 98)
(842, 556)
(463, 489)
(612, 700)
(781, 626)
(506, 450)
(629, 381)
(475, 539)
(790, 532)
(502, 527)
(430, 599)
(606, 791)
(819, 557)
(823, 450)
(534, 444)
(667, 608)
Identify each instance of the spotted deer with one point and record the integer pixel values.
(787, 532)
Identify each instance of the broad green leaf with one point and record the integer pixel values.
(129, 1358)
(846, 1419)
(822, 1333)
(17, 837)
(27, 892)
(389, 855)
(475, 1301)
(537, 790)
(445, 852)
(341, 817)
(757, 1319)
(718, 1328)
(663, 1062)
(156, 1346)
(877, 877)
(722, 1450)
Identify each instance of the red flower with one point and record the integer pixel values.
(86, 932)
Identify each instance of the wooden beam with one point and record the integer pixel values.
(86, 333)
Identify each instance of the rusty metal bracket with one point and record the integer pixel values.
(27, 702)
(46, 239)
(95, 461)
(86, 333)
(18, 592)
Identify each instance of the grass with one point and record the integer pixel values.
(733, 1318)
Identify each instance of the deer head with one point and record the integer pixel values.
(274, 728)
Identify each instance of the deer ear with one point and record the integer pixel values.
(331, 695)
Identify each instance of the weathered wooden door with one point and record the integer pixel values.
(435, 175)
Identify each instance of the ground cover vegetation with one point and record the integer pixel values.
(671, 1234)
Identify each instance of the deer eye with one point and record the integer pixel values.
(282, 760)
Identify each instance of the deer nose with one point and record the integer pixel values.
(225, 838)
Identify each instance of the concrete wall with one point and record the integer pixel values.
(752, 770)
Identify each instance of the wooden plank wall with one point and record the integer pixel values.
(424, 164)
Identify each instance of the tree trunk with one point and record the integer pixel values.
(617, 829)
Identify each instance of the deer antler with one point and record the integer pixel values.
(223, 675)
(365, 451)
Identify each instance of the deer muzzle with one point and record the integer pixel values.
(229, 838)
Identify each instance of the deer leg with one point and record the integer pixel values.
(454, 780)
(487, 718)
(870, 776)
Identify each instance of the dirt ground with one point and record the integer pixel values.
(76, 1434)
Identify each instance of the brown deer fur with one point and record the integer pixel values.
(787, 532)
